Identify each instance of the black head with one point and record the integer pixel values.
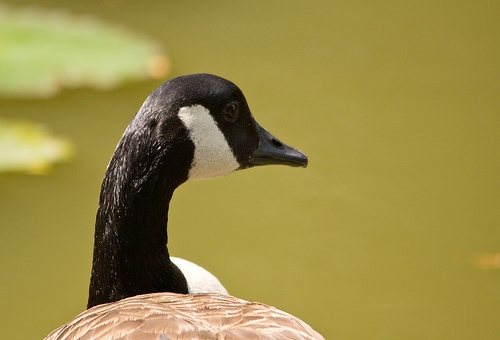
(211, 107)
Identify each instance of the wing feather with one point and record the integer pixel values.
(184, 316)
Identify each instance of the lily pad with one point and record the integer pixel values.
(29, 147)
(43, 51)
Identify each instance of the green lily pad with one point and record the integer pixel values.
(43, 51)
(29, 147)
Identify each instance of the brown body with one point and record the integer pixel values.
(184, 316)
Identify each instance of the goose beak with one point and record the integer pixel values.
(272, 151)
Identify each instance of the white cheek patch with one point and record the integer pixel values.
(212, 155)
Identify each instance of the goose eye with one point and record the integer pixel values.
(231, 112)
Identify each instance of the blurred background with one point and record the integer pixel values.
(392, 232)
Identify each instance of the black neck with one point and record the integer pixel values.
(130, 246)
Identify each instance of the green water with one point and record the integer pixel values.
(390, 233)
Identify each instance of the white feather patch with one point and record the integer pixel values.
(212, 155)
(199, 280)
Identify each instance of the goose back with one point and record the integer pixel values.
(180, 316)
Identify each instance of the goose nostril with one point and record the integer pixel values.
(276, 143)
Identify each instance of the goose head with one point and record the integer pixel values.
(215, 115)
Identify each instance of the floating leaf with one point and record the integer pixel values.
(29, 147)
(42, 51)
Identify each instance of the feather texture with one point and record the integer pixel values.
(184, 316)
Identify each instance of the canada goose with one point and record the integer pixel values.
(192, 127)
